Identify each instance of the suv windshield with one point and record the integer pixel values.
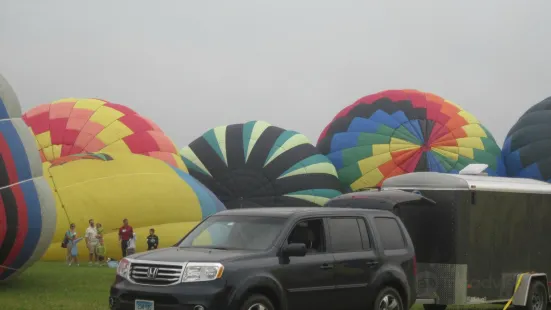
(227, 232)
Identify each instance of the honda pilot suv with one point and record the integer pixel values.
(276, 258)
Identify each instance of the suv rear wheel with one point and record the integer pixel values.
(257, 302)
(388, 299)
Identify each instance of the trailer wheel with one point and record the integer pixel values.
(434, 307)
(537, 296)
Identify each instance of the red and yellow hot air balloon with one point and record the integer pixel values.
(74, 126)
(104, 161)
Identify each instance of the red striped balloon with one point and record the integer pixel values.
(27, 206)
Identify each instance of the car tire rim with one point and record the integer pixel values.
(258, 306)
(389, 302)
(537, 300)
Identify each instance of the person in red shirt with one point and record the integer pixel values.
(125, 233)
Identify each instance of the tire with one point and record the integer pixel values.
(435, 307)
(537, 298)
(257, 302)
(388, 299)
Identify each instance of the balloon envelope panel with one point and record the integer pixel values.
(111, 187)
(527, 147)
(257, 164)
(27, 210)
(400, 131)
(72, 126)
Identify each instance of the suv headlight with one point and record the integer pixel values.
(123, 269)
(196, 272)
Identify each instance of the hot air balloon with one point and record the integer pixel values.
(399, 131)
(527, 147)
(72, 126)
(257, 164)
(109, 187)
(27, 209)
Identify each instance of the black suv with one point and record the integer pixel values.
(276, 258)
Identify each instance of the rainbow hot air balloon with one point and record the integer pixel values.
(73, 126)
(400, 131)
(256, 164)
(27, 208)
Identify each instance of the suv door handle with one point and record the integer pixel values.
(372, 263)
(326, 266)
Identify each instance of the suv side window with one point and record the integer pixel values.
(345, 234)
(390, 232)
(311, 233)
(365, 234)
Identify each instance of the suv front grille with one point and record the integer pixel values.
(151, 273)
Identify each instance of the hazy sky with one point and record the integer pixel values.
(193, 65)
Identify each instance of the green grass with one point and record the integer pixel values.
(55, 286)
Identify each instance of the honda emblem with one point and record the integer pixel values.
(152, 272)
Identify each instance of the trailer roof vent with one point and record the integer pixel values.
(474, 169)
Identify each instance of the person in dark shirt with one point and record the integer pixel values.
(152, 240)
(125, 233)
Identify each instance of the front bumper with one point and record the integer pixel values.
(212, 295)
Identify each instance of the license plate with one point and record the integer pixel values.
(144, 305)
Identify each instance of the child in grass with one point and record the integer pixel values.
(100, 249)
(69, 241)
(101, 252)
(74, 251)
(99, 229)
(131, 245)
(152, 240)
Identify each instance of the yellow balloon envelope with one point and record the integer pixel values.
(111, 187)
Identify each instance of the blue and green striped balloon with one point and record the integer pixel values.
(256, 164)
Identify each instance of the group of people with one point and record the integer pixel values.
(95, 244)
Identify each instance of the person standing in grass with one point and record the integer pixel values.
(125, 233)
(74, 248)
(99, 229)
(70, 236)
(91, 242)
(101, 252)
(100, 248)
(74, 251)
(152, 240)
(131, 245)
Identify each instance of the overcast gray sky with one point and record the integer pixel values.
(193, 65)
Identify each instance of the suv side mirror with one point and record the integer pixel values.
(294, 249)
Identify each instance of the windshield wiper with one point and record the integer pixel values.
(218, 248)
(206, 247)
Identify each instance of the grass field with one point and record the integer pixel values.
(54, 286)
(57, 286)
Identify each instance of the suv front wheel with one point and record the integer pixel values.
(388, 299)
(258, 302)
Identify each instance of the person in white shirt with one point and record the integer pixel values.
(91, 242)
(131, 245)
